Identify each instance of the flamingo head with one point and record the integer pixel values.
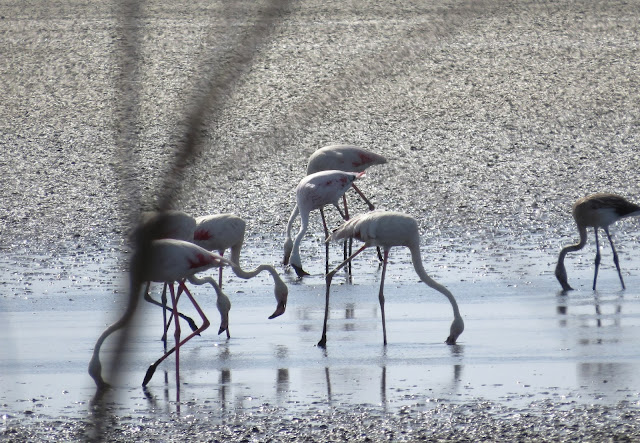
(288, 247)
(282, 293)
(561, 275)
(224, 306)
(457, 326)
(299, 271)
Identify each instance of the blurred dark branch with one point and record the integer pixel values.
(212, 97)
(216, 90)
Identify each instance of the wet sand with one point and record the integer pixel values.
(530, 356)
(495, 118)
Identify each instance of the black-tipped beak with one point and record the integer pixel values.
(299, 271)
(450, 340)
(279, 310)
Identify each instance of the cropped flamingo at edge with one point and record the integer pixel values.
(314, 192)
(171, 261)
(388, 229)
(596, 211)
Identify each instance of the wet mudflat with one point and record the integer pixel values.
(531, 357)
(495, 118)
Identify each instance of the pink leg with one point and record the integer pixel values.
(323, 341)
(205, 325)
(326, 245)
(366, 200)
(189, 320)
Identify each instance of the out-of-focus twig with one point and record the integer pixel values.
(211, 97)
(215, 91)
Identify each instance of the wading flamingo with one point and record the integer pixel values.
(596, 211)
(388, 229)
(170, 261)
(314, 192)
(345, 158)
(162, 225)
(226, 231)
(213, 233)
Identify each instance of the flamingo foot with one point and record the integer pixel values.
(192, 324)
(223, 329)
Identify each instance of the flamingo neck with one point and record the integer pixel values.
(576, 247)
(295, 252)
(292, 218)
(288, 243)
(250, 274)
(223, 302)
(416, 258)
(95, 367)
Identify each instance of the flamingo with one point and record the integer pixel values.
(160, 225)
(314, 192)
(171, 261)
(347, 158)
(222, 231)
(388, 229)
(213, 233)
(596, 211)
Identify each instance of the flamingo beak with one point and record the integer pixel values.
(224, 326)
(279, 310)
(299, 271)
(451, 340)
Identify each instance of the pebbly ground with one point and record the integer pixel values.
(495, 117)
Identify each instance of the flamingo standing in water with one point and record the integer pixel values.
(171, 261)
(345, 158)
(214, 233)
(595, 211)
(226, 231)
(314, 192)
(161, 225)
(388, 229)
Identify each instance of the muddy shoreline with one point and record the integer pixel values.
(495, 118)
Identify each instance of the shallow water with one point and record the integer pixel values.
(494, 116)
(524, 341)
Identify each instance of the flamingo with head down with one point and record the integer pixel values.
(388, 229)
(171, 261)
(595, 211)
(315, 191)
(226, 231)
